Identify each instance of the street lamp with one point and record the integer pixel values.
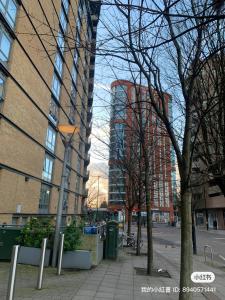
(97, 200)
(68, 129)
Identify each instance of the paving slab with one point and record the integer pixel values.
(115, 280)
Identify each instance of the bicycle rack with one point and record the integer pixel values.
(211, 251)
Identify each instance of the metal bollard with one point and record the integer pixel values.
(41, 266)
(60, 254)
(211, 251)
(12, 273)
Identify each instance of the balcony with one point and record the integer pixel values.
(89, 115)
(90, 101)
(86, 175)
(72, 120)
(87, 159)
(87, 144)
(90, 98)
(88, 130)
(85, 192)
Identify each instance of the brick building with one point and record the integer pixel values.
(47, 71)
(125, 116)
(208, 172)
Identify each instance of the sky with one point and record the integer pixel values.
(107, 69)
(104, 76)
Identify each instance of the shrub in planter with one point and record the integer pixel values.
(73, 258)
(31, 239)
(72, 237)
(34, 232)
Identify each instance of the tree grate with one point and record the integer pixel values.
(155, 272)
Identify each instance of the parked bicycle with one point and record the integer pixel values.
(131, 241)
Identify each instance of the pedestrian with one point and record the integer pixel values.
(215, 224)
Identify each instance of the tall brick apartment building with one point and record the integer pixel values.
(123, 108)
(208, 173)
(47, 70)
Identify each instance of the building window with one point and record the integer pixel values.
(74, 74)
(76, 56)
(50, 138)
(77, 39)
(54, 112)
(8, 9)
(78, 164)
(78, 24)
(72, 114)
(24, 220)
(89, 33)
(63, 20)
(119, 111)
(117, 197)
(119, 127)
(80, 147)
(161, 196)
(156, 193)
(84, 10)
(15, 220)
(66, 5)
(117, 189)
(65, 202)
(2, 81)
(56, 86)
(44, 198)
(73, 94)
(78, 184)
(80, 8)
(67, 179)
(113, 180)
(76, 203)
(59, 63)
(69, 156)
(167, 201)
(5, 44)
(60, 41)
(47, 168)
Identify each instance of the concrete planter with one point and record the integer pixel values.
(31, 256)
(78, 259)
(92, 241)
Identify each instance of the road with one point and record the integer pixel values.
(168, 235)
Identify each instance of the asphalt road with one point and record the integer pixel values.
(168, 235)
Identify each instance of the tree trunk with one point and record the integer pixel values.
(186, 245)
(149, 235)
(138, 250)
(194, 244)
(129, 220)
(207, 219)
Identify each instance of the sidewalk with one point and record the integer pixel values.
(172, 256)
(110, 280)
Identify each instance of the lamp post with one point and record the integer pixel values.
(97, 201)
(68, 129)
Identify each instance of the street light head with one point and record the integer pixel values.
(68, 129)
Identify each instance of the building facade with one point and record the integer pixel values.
(47, 58)
(208, 172)
(125, 149)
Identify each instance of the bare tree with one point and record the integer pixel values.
(166, 41)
